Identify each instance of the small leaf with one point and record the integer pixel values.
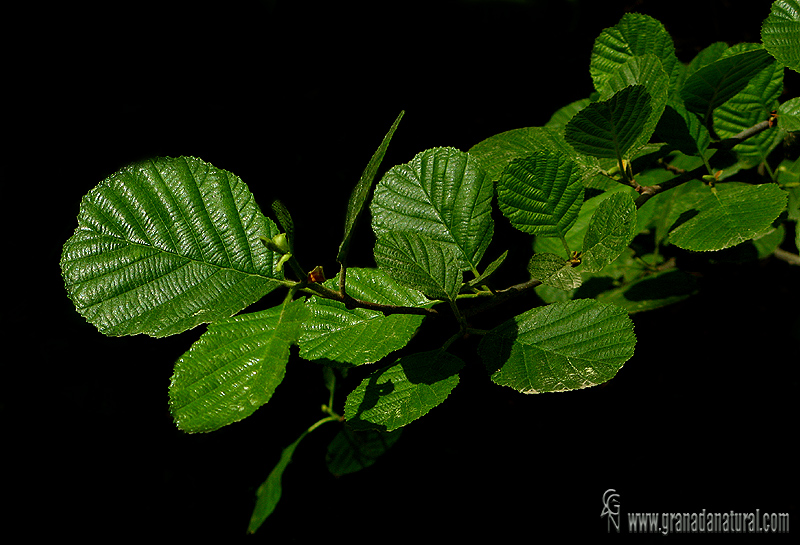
(352, 451)
(610, 230)
(554, 271)
(780, 33)
(608, 129)
(358, 336)
(419, 262)
(559, 347)
(166, 244)
(359, 195)
(736, 212)
(286, 223)
(269, 492)
(234, 368)
(488, 271)
(714, 84)
(789, 115)
(442, 193)
(401, 393)
(541, 194)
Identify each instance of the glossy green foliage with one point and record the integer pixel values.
(780, 33)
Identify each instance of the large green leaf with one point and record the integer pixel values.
(733, 213)
(541, 194)
(166, 244)
(610, 230)
(358, 336)
(234, 367)
(610, 128)
(359, 196)
(780, 33)
(562, 346)
(717, 82)
(634, 35)
(403, 392)
(442, 193)
(419, 262)
(749, 106)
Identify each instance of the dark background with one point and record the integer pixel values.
(294, 97)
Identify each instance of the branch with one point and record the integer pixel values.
(789, 257)
(501, 296)
(352, 302)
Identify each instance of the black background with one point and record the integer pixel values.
(294, 97)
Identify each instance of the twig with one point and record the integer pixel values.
(789, 257)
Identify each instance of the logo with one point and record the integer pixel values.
(611, 508)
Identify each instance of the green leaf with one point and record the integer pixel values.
(285, 221)
(269, 492)
(419, 262)
(554, 271)
(403, 392)
(541, 194)
(442, 193)
(496, 152)
(488, 271)
(562, 116)
(737, 212)
(609, 128)
(789, 115)
(610, 230)
(358, 336)
(780, 33)
(352, 451)
(166, 244)
(750, 106)
(559, 347)
(359, 196)
(634, 35)
(682, 129)
(234, 368)
(652, 291)
(715, 83)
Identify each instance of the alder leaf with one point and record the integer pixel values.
(555, 271)
(780, 33)
(442, 193)
(419, 262)
(733, 213)
(403, 392)
(541, 194)
(166, 244)
(234, 368)
(358, 336)
(609, 128)
(358, 197)
(559, 347)
(352, 450)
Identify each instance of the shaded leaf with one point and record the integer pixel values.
(401, 393)
(352, 451)
(611, 127)
(234, 368)
(442, 193)
(166, 244)
(611, 229)
(559, 347)
(358, 336)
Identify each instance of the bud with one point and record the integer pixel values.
(279, 243)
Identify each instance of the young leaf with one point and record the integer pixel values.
(715, 83)
(285, 221)
(541, 194)
(352, 451)
(555, 271)
(736, 212)
(442, 193)
(358, 336)
(166, 244)
(419, 262)
(609, 128)
(269, 492)
(610, 230)
(401, 393)
(634, 35)
(559, 347)
(780, 33)
(789, 115)
(359, 196)
(234, 367)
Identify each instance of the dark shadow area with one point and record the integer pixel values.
(664, 286)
